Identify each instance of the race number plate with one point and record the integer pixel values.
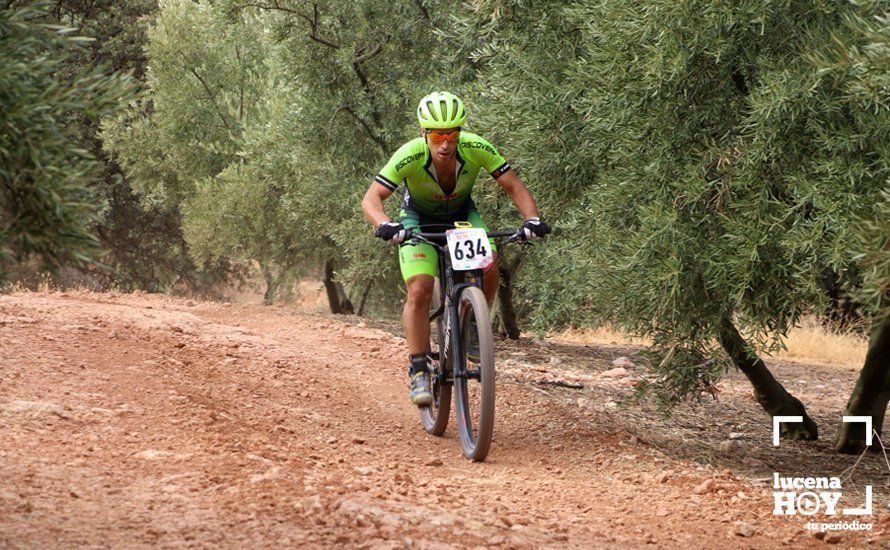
(469, 248)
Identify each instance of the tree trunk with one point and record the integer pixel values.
(507, 312)
(331, 287)
(345, 304)
(871, 393)
(361, 304)
(771, 395)
(271, 285)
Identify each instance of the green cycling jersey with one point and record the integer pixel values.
(413, 165)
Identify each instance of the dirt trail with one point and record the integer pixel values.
(137, 420)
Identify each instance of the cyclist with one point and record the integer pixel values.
(438, 170)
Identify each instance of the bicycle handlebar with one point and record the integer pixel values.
(508, 236)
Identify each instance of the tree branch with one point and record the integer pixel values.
(210, 94)
(366, 86)
(241, 87)
(423, 11)
(313, 21)
(367, 127)
(314, 24)
(377, 49)
(274, 7)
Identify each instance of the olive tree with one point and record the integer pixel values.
(47, 208)
(713, 162)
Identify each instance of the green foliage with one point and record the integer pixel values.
(708, 161)
(265, 124)
(356, 71)
(46, 206)
(711, 165)
(143, 243)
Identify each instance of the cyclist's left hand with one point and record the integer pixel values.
(392, 232)
(535, 228)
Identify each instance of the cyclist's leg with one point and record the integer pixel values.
(489, 274)
(419, 264)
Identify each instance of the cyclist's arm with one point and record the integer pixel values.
(519, 193)
(487, 156)
(372, 203)
(385, 182)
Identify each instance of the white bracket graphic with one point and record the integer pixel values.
(865, 510)
(865, 420)
(778, 420)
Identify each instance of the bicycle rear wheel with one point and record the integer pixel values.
(435, 417)
(474, 392)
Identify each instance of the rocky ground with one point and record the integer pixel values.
(141, 420)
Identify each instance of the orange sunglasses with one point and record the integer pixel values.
(438, 136)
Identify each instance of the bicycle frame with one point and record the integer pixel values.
(451, 283)
(451, 288)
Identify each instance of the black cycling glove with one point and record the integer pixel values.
(392, 232)
(534, 227)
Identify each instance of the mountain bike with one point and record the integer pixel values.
(461, 343)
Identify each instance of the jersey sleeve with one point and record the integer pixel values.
(487, 156)
(392, 174)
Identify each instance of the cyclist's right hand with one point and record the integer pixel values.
(535, 228)
(392, 232)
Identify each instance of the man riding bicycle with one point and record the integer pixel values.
(439, 170)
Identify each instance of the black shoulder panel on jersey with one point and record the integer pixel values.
(385, 182)
(504, 168)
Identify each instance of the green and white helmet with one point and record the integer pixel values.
(441, 110)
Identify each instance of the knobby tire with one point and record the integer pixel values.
(475, 417)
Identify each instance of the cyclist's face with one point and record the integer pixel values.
(442, 143)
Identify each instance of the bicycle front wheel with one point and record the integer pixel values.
(474, 389)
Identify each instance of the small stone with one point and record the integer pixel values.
(435, 462)
(706, 486)
(743, 529)
(152, 454)
(619, 372)
(736, 435)
(358, 441)
(269, 475)
(663, 477)
(833, 538)
(622, 362)
(36, 408)
(331, 440)
(733, 447)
